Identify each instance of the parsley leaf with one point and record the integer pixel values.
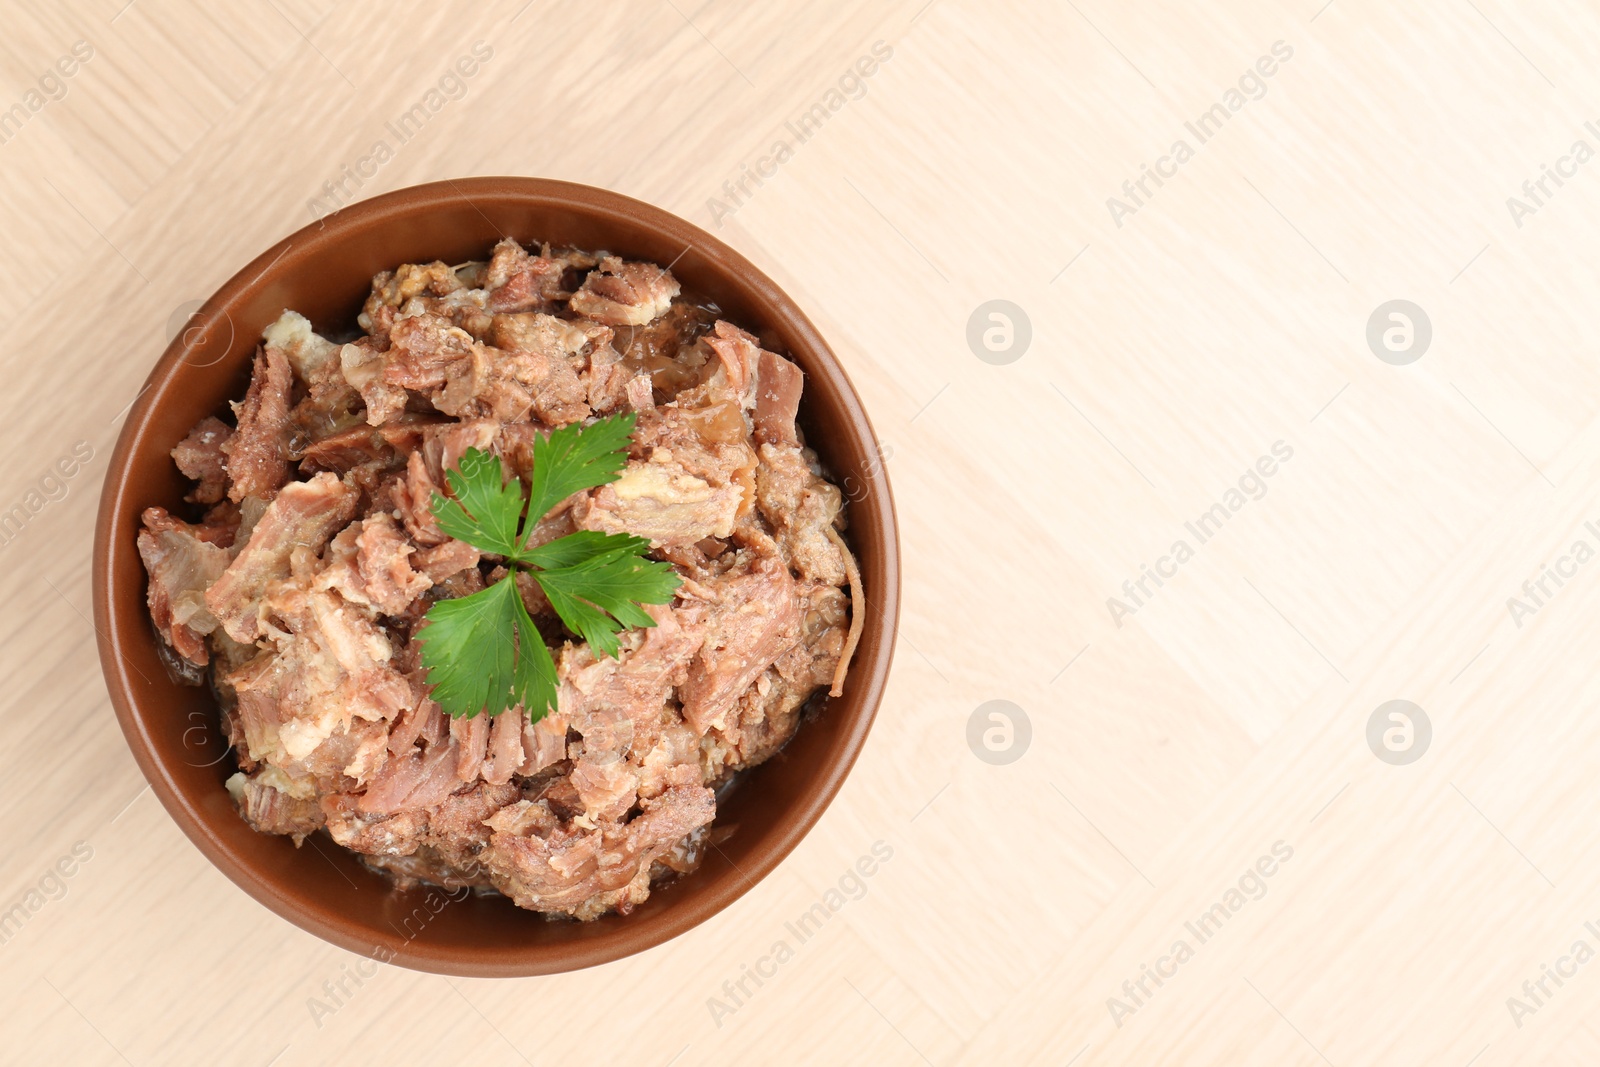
(577, 457)
(469, 671)
(495, 505)
(583, 547)
(483, 652)
(534, 683)
(601, 596)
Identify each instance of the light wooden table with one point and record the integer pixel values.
(1178, 338)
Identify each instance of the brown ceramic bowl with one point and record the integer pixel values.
(324, 271)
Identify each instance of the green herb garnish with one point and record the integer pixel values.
(483, 652)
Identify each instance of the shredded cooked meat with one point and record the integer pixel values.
(303, 587)
(202, 457)
(625, 294)
(257, 463)
(182, 561)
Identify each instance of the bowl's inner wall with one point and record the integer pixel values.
(327, 280)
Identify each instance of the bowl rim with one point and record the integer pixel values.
(136, 436)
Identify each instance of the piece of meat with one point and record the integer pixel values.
(472, 741)
(524, 818)
(672, 761)
(533, 370)
(417, 288)
(575, 261)
(457, 825)
(555, 338)
(369, 563)
(363, 363)
(316, 362)
(559, 795)
(270, 810)
(662, 501)
(606, 734)
(258, 450)
(459, 585)
(201, 456)
(702, 434)
(754, 620)
(768, 712)
(351, 754)
(825, 617)
(516, 281)
(778, 387)
(257, 714)
(182, 564)
(803, 508)
(640, 393)
(340, 572)
(319, 699)
(438, 562)
(764, 383)
(606, 788)
(623, 293)
(303, 515)
(636, 682)
(422, 721)
(377, 318)
(448, 826)
(348, 449)
(394, 288)
(465, 380)
(376, 834)
(585, 873)
(606, 381)
(437, 447)
(444, 444)
(505, 756)
(405, 433)
(466, 308)
(543, 743)
(414, 780)
(423, 350)
(740, 356)
(414, 496)
(314, 358)
(764, 719)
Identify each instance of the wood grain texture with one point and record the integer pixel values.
(1173, 345)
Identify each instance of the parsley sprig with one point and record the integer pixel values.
(482, 652)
